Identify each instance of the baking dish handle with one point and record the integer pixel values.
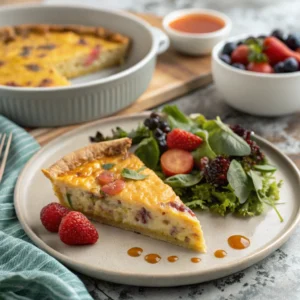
(162, 40)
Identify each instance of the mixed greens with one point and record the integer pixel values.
(230, 173)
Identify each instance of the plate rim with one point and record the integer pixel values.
(184, 278)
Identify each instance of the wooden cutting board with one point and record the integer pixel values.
(175, 75)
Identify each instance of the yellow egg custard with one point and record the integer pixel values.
(49, 55)
(110, 185)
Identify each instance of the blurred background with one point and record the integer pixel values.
(251, 16)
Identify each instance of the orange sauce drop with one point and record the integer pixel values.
(135, 251)
(220, 253)
(238, 242)
(195, 260)
(152, 258)
(172, 258)
(197, 23)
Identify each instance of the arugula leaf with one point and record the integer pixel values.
(132, 174)
(148, 152)
(265, 168)
(239, 181)
(204, 149)
(184, 180)
(177, 119)
(224, 141)
(108, 166)
(136, 135)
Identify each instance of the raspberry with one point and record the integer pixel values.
(216, 171)
(181, 139)
(52, 214)
(76, 229)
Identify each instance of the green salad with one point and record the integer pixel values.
(210, 165)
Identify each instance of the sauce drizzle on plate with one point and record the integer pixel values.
(152, 258)
(172, 258)
(220, 253)
(195, 260)
(135, 252)
(238, 242)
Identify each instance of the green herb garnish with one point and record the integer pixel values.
(132, 174)
(108, 166)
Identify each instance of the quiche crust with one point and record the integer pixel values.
(89, 153)
(9, 33)
(146, 206)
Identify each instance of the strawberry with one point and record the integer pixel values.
(261, 67)
(277, 51)
(76, 229)
(181, 139)
(52, 214)
(240, 55)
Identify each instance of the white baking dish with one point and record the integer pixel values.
(89, 97)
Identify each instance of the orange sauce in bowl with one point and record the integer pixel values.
(197, 23)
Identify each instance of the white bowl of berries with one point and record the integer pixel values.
(259, 75)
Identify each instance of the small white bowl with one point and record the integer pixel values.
(195, 43)
(255, 93)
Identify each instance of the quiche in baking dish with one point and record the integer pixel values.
(110, 185)
(49, 55)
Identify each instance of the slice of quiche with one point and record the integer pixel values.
(48, 55)
(110, 185)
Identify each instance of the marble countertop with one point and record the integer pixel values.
(277, 276)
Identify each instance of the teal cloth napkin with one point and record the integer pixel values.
(26, 272)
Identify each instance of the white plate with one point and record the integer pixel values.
(108, 258)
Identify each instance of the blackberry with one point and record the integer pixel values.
(256, 156)
(216, 171)
(242, 132)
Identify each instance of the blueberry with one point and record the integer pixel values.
(158, 133)
(228, 48)
(162, 143)
(240, 43)
(291, 65)
(279, 67)
(226, 58)
(162, 125)
(278, 34)
(147, 122)
(167, 129)
(154, 115)
(293, 41)
(151, 123)
(239, 66)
